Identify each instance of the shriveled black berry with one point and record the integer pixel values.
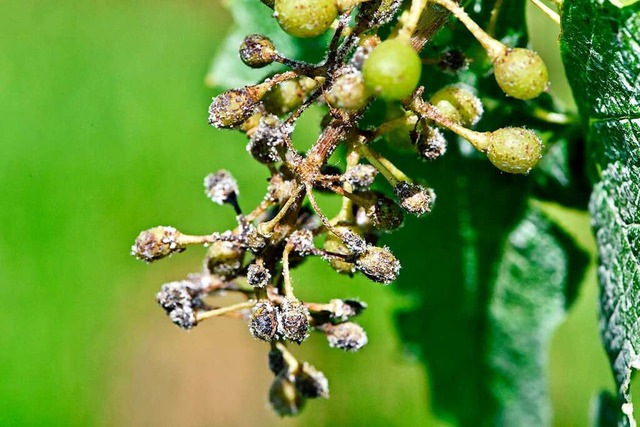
(430, 143)
(180, 300)
(284, 397)
(311, 383)
(257, 51)
(265, 321)
(266, 139)
(258, 276)
(294, 321)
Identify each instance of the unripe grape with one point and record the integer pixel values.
(521, 73)
(224, 258)
(514, 150)
(257, 51)
(392, 71)
(348, 92)
(305, 18)
(459, 104)
(288, 95)
(384, 213)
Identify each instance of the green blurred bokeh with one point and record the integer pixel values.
(103, 133)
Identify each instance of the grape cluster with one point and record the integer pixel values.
(255, 258)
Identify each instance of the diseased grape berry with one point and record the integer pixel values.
(384, 213)
(334, 244)
(294, 321)
(514, 150)
(458, 103)
(430, 143)
(257, 51)
(156, 243)
(348, 92)
(392, 70)
(311, 383)
(305, 18)
(284, 397)
(348, 336)
(378, 264)
(224, 258)
(231, 108)
(265, 321)
(414, 198)
(521, 73)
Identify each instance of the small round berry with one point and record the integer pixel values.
(305, 18)
(266, 138)
(287, 96)
(224, 258)
(414, 198)
(334, 244)
(360, 177)
(277, 362)
(180, 300)
(220, 186)
(294, 321)
(459, 104)
(348, 92)
(392, 71)
(157, 243)
(521, 73)
(311, 383)
(384, 213)
(257, 51)
(378, 264)
(258, 276)
(284, 397)
(264, 321)
(348, 336)
(430, 143)
(514, 150)
(231, 108)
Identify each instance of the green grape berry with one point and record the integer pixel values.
(392, 70)
(458, 103)
(514, 150)
(348, 92)
(521, 73)
(288, 95)
(305, 18)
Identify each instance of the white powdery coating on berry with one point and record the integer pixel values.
(302, 242)
(347, 336)
(360, 176)
(258, 276)
(180, 301)
(220, 185)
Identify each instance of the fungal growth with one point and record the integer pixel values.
(372, 57)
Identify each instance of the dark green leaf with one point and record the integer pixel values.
(251, 16)
(601, 51)
(497, 277)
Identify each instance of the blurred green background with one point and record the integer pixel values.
(103, 133)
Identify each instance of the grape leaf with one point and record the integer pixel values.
(251, 17)
(492, 277)
(601, 51)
